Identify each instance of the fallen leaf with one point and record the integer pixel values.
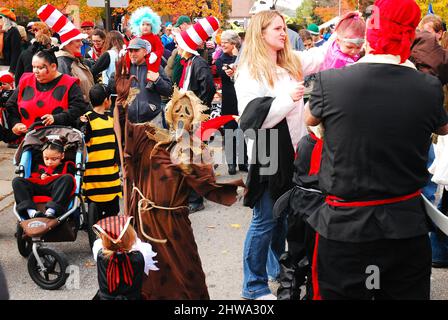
(211, 227)
(235, 225)
(90, 264)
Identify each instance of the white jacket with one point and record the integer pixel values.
(247, 89)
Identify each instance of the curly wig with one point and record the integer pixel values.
(144, 14)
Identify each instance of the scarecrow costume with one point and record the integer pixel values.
(160, 168)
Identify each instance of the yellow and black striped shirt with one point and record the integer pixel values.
(101, 178)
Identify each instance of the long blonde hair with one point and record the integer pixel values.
(255, 53)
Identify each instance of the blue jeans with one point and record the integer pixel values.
(265, 242)
(439, 240)
(430, 189)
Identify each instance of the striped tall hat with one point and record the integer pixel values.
(113, 227)
(59, 23)
(194, 36)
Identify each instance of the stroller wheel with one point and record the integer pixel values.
(92, 218)
(54, 274)
(23, 244)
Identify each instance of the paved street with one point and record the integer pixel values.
(219, 231)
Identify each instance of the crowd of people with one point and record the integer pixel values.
(354, 111)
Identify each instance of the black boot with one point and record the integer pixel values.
(232, 169)
(290, 280)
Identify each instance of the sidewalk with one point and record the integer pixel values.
(6, 175)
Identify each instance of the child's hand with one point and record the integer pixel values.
(83, 118)
(44, 176)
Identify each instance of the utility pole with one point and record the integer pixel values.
(340, 7)
(108, 25)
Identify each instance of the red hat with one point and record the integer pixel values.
(6, 77)
(190, 39)
(7, 13)
(113, 227)
(87, 24)
(60, 24)
(391, 29)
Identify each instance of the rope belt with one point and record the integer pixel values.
(145, 204)
(338, 202)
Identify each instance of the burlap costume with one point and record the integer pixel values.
(158, 189)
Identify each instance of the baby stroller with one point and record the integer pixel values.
(46, 267)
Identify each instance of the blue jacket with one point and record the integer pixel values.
(147, 104)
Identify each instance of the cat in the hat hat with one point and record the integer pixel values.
(122, 259)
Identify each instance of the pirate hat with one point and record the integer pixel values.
(59, 23)
(113, 227)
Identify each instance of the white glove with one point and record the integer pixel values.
(152, 58)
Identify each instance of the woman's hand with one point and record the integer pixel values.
(297, 91)
(19, 129)
(47, 119)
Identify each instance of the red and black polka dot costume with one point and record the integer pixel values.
(33, 104)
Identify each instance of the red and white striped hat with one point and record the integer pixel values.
(194, 36)
(59, 23)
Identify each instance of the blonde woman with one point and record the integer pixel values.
(269, 87)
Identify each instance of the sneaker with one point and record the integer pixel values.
(268, 296)
(194, 207)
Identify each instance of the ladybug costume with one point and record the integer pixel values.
(33, 103)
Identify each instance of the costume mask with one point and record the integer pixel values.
(183, 112)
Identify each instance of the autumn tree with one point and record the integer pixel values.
(26, 10)
(171, 9)
(439, 7)
(328, 9)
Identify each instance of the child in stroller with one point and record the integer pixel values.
(55, 178)
(46, 160)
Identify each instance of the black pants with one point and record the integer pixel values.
(106, 209)
(345, 270)
(59, 190)
(231, 153)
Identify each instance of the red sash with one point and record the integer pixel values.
(338, 202)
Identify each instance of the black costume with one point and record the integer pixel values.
(130, 271)
(229, 106)
(299, 203)
(373, 165)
